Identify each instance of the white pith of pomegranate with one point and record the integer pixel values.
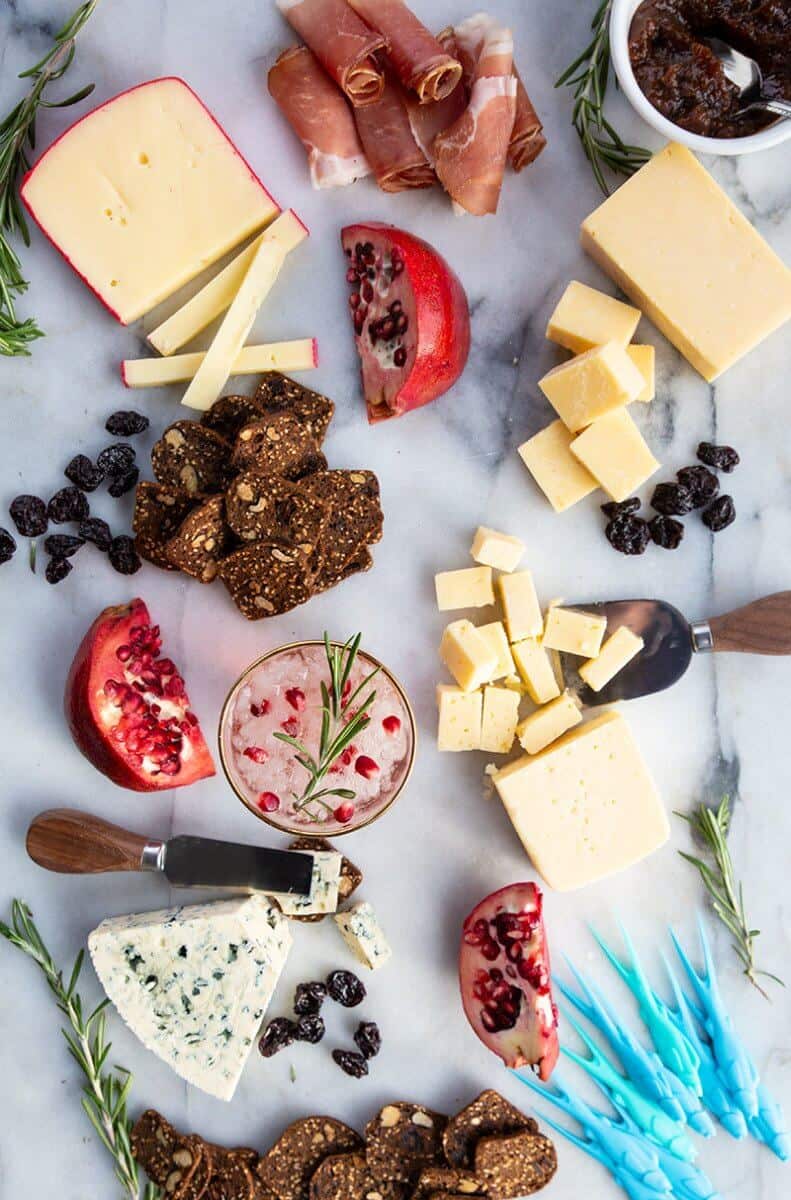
(505, 978)
(128, 708)
(410, 315)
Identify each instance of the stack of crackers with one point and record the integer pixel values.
(247, 496)
(408, 1152)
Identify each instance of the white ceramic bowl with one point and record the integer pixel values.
(620, 23)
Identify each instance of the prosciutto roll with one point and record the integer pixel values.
(386, 134)
(420, 61)
(320, 117)
(343, 44)
(471, 156)
(427, 120)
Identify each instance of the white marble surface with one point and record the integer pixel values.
(443, 470)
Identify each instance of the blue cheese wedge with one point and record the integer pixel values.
(193, 983)
(362, 933)
(323, 896)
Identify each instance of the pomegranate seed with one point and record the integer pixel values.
(259, 710)
(344, 812)
(296, 698)
(354, 300)
(291, 726)
(269, 802)
(367, 292)
(399, 358)
(257, 753)
(366, 767)
(170, 766)
(123, 653)
(391, 725)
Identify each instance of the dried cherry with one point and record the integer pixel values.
(310, 1028)
(29, 514)
(94, 529)
(345, 988)
(352, 1063)
(123, 483)
(700, 481)
(666, 532)
(277, 1035)
(620, 508)
(83, 474)
(57, 570)
(115, 459)
(126, 423)
(69, 504)
(308, 998)
(368, 1039)
(628, 534)
(672, 499)
(62, 545)
(720, 514)
(722, 458)
(123, 556)
(7, 545)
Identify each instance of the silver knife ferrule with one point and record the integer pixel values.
(702, 640)
(153, 857)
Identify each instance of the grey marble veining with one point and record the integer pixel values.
(443, 470)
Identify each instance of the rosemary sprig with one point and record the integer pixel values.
(105, 1093)
(337, 731)
(17, 135)
(712, 825)
(589, 75)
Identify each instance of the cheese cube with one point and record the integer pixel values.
(468, 588)
(617, 651)
(459, 718)
(469, 657)
(680, 248)
(500, 717)
(548, 723)
(143, 194)
(574, 632)
(585, 807)
(644, 358)
(520, 605)
(536, 670)
(498, 550)
(584, 318)
(614, 452)
(562, 479)
(360, 929)
(494, 634)
(592, 385)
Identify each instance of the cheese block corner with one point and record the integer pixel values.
(143, 193)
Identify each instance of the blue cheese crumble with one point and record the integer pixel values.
(362, 933)
(324, 884)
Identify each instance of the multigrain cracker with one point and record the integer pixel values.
(289, 1166)
(402, 1140)
(515, 1166)
(347, 1177)
(488, 1114)
(190, 457)
(229, 414)
(153, 1140)
(448, 1181)
(274, 443)
(203, 540)
(159, 512)
(263, 507)
(276, 393)
(267, 578)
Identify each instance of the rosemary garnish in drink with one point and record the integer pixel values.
(342, 721)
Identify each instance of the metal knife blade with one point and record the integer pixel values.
(203, 862)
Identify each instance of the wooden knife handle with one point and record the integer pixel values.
(76, 843)
(763, 627)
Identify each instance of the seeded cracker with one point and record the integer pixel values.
(266, 579)
(196, 1188)
(515, 1166)
(185, 1162)
(309, 464)
(448, 1181)
(355, 518)
(263, 507)
(488, 1114)
(289, 1166)
(276, 393)
(402, 1140)
(153, 1140)
(193, 458)
(232, 1179)
(229, 414)
(350, 879)
(346, 1177)
(202, 541)
(273, 443)
(159, 511)
(326, 579)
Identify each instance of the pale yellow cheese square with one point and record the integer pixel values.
(459, 718)
(469, 588)
(591, 385)
(520, 605)
(644, 358)
(614, 452)
(561, 478)
(500, 717)
(586, 807)
(469, 657)
(498, 550)
(548, 723)
(573, 632)
(584, 318)
(536, 670)
(681, 249)
(617, 651)
(495, 636)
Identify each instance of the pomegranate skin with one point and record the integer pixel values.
(440, 336)
(506, 993)
(96, 661)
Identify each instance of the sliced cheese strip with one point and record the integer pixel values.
(299, 355)
(218, 293)
(213, 372)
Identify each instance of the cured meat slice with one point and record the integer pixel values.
(386, 134)
(343, 44)
(471, 156)
(421, 62)
(427, 120)
(320, 117)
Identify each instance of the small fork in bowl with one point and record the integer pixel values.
(745, 74)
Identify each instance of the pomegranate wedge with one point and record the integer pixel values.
(128, 708)
(410, 315)
(505, 979)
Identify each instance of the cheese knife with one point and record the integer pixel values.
(77, 843)
(762, 627)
